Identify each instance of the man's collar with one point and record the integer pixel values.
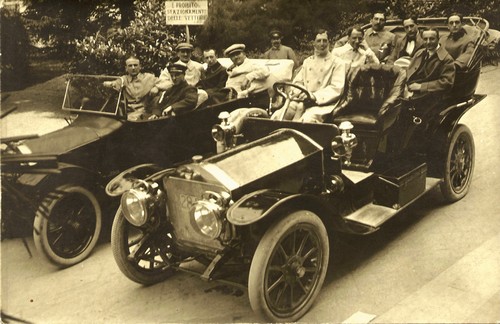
(459, 34)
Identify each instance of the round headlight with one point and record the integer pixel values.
(207, 218)
(134, 207)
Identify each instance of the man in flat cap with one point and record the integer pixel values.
(136, 84)
(179, 98)
(194, 72)
(280, 51)
(242, 74)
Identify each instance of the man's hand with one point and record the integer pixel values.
(415, 87)
(154, 91)
(111, 84)
(245, 84)
(363, 45)
(152, 117)
(167, 111)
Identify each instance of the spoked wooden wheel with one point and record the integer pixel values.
(459, 164)
(144, 256)
(289, 267)
(67, 225)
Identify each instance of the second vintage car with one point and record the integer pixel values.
(55, 183)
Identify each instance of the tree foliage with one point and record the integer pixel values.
(15, 47)
(148, 37)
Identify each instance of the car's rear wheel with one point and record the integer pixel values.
(289, 267)
(459, 164)
(143, 256)
(67, 225)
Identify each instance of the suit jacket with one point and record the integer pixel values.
(215, 77)
(400, 48)
(378, 39)
(182, 97)
(436, 74)
(460, 48)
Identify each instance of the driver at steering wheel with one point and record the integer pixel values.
(323, 76)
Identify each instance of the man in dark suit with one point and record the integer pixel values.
(408, 45)
(431, 70)
(430, 78)
(180, 98)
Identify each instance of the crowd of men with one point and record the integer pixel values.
(431, 62)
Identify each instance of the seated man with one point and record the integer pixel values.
(242, 74)
(178, 99)
(407, 46)
(431, 70)
(194, 72)
(136, 85)
(215, 76)
(380, 40)
(323, 75)
(356, 51)
(430, 78)
(459, 43)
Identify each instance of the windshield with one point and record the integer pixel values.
(86, 93)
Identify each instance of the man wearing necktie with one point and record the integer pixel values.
(430, 78)
(408, 45)
(431, 70)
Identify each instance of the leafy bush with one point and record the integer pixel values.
(148, 37)
(15, 51)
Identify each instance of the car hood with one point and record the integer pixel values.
(281, 160)
(84, 130)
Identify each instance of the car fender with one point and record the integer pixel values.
(449, 118)
(64, 172)
(265, 203)
(125, 180)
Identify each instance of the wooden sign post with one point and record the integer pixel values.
(179, 12)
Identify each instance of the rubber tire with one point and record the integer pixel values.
(119, 246)
(41, 225)
(265, 252)
(451, 194)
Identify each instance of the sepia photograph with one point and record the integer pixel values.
(250, 161)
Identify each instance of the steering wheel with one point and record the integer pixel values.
(288, 96)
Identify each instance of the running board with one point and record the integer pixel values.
(375, 215)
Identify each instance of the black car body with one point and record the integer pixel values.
(59, 178)
(262, 212)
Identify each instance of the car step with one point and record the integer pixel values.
(375, 215)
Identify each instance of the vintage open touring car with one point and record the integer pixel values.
(56, 181)
(262, 212)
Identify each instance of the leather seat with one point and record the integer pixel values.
(372, 97)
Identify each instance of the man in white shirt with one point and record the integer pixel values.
(356, 51)
(323, 76)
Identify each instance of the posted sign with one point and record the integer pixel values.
(186, 12)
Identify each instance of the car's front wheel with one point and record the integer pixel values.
(289, 267)
(67, 225)
(144, 256)
(459, 164)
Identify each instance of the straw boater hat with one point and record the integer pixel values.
(234, 48)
